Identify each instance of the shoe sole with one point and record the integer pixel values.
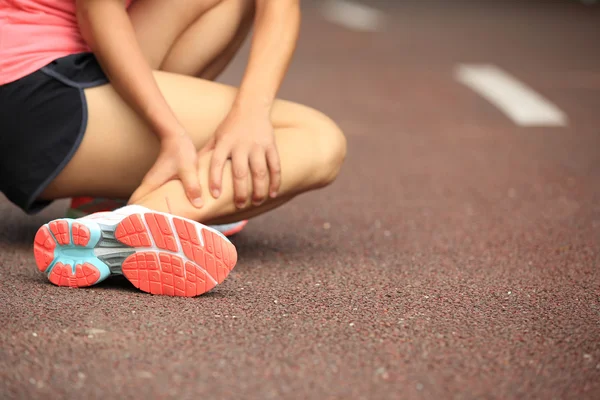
(157, 253)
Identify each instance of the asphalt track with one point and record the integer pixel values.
(456, 257)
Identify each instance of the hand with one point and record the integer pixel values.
(178, 158)
(247, 138)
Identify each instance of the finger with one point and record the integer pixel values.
(153, 179)
(260, 176)
(188, 173)
(208, 147)
(274, 165)
(136, 196)
(239, 165)
(217, 163)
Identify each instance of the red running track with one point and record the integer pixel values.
(457, 255)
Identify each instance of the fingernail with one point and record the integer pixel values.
(273, 195)
(197, 202)
(216, 193)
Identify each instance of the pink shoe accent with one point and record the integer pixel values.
(85, 275)
(43, 248)
(60, 229)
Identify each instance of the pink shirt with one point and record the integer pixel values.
(34, 33)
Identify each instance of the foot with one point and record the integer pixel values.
(82, 206)
(158, 253)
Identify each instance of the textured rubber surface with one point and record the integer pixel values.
(157, 253)
(186, 260)
(64, 250)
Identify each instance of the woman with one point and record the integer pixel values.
(115, 99)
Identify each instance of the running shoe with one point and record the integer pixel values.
(82, 206)
(157, 252)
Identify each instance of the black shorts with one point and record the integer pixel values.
(43, 117)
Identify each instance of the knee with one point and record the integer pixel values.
(244, 10)
(330, 148)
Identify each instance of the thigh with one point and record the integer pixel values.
(118, 148)
(159, 23)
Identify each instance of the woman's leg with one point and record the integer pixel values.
(118, 149)
(197, 38)
(187, 37)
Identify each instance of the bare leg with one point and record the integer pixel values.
(191, 38)
(208, 63)
(118, 143)
(300, 173)
(118, 149)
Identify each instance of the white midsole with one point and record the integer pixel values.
(111, 220)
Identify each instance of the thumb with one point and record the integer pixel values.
(152, 181)
(138, 194)
(208, 147)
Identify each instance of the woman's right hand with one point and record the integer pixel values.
(178, 158)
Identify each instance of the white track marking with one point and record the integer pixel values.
(520, 103)
(353, 15)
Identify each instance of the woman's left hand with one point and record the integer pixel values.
(247, 138)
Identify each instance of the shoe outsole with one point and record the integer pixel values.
(157, 253)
